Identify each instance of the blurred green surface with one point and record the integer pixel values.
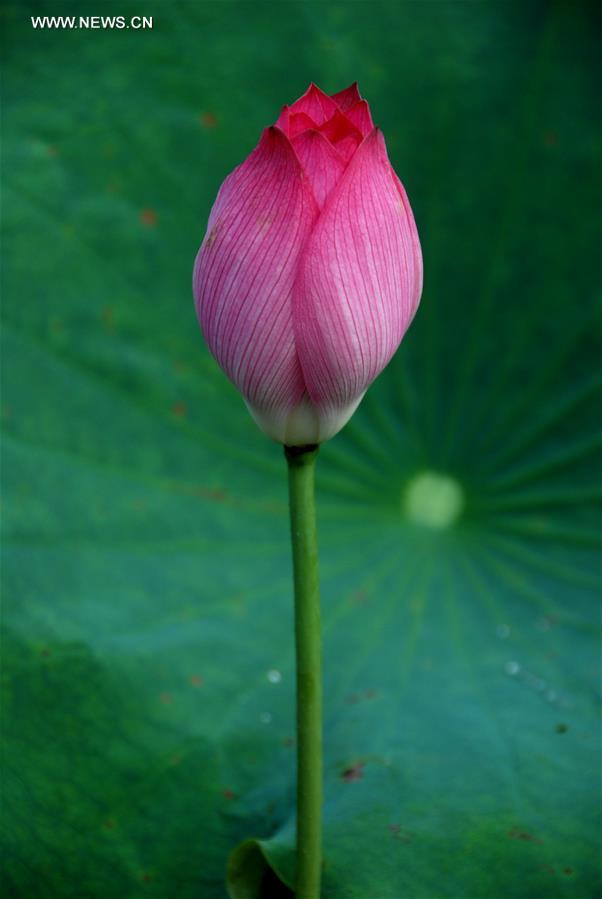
(147, 650)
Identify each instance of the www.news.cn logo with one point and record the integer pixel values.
(91, 22)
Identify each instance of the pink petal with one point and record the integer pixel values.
(316, 104)
(282, 121)
(299, 122)
(418, 269)
(361, 118)
(359, 281)
(245, 271)
(342, 134)
(321, 163)
(293, 123)
(347, 98)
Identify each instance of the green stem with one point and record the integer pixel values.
(301, 467)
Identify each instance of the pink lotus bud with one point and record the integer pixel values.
(311, 271)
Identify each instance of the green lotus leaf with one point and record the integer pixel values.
(149, 742)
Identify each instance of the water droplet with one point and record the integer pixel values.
(533, 681)
(265, 718)
(536, 683)
(503, 631)
(433, 500)
(274, 676)
(543, 624)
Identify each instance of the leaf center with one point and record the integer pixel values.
(433, 500)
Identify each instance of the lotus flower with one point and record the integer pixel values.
(310, 271)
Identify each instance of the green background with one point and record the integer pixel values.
(147, 651)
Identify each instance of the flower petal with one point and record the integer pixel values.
(245, 271)
(418, 268)
(359, 281)
(298, 123)
(347, 98)
(293, 123)
(283, 120)
(360, 116)
(342, 134)
(316, 104)
(321, 163)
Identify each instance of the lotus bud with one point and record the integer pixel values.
(310, 271)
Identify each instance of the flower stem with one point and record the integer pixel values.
(301, 468)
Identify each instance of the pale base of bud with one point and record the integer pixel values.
(304, 424)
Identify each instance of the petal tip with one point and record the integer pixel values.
(274, 134)
(348, 97)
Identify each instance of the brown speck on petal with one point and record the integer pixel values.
(211, 236)
(166, 698)
(196, 680)
(179, 410)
